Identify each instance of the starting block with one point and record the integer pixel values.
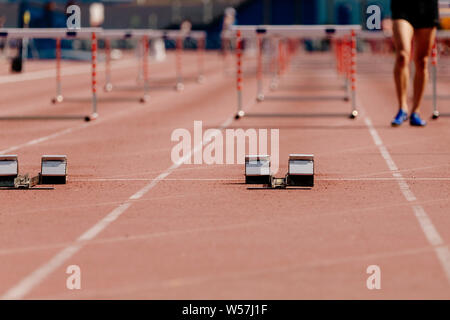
(53, 169)
(9, 170)
(257, 169)
(300, 171)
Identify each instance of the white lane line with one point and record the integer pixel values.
(69, 130)
(235, 179)
(36, 277)
(431, 233)
(191, 280)
(20, 250)
(402, 170)
(64, 131)
(150, 179)
(39, 140)
(383, 179)
(65, 71)
(145, 236)
(77, 127)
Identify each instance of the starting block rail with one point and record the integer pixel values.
(345, 33)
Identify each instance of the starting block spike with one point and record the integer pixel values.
(300, 170)
(9, 170)
(53, 169)
(257, 169)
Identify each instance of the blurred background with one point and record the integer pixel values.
(208, 15)
(204, 14)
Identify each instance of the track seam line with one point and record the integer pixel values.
(431, 233)
(36, 277)
(236, 179)
(140, 236)
(41, 139)
(65, 71)
(68, 130)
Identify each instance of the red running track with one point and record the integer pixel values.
(141, 227)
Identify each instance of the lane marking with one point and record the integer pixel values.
(191, 280)
(431, 233)
(41, 139)
(64, 131)
(402, 170)
(71, 129)
(383, 179)
(235, 179)
(19, 250)
(151, 179)
(66, 71)
(36, 277)
(145, 236)
(103, 204)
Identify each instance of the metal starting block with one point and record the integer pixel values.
(9, 170)
(53, 169)
(300, 171)
(257, 169)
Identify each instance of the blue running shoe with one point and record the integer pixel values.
(415, 120)
(399, 118)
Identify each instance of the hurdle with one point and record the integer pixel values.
(58, 34)
(143, 36)
(280, 32)
(180, 37)
(441, 35)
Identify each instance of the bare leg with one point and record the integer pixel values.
(424, 40)
(403, 34)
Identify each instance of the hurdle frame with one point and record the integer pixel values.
(440, 35)
(180, 36)
(146, 35)
(143, 37)
(58, 34)
(298, 31)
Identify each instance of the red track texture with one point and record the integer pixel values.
(140, 227)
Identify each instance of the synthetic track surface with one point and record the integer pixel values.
(195, 231)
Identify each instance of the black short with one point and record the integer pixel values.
(420, 13)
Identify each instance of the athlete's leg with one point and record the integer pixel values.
(423, 43)
(403, 33)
